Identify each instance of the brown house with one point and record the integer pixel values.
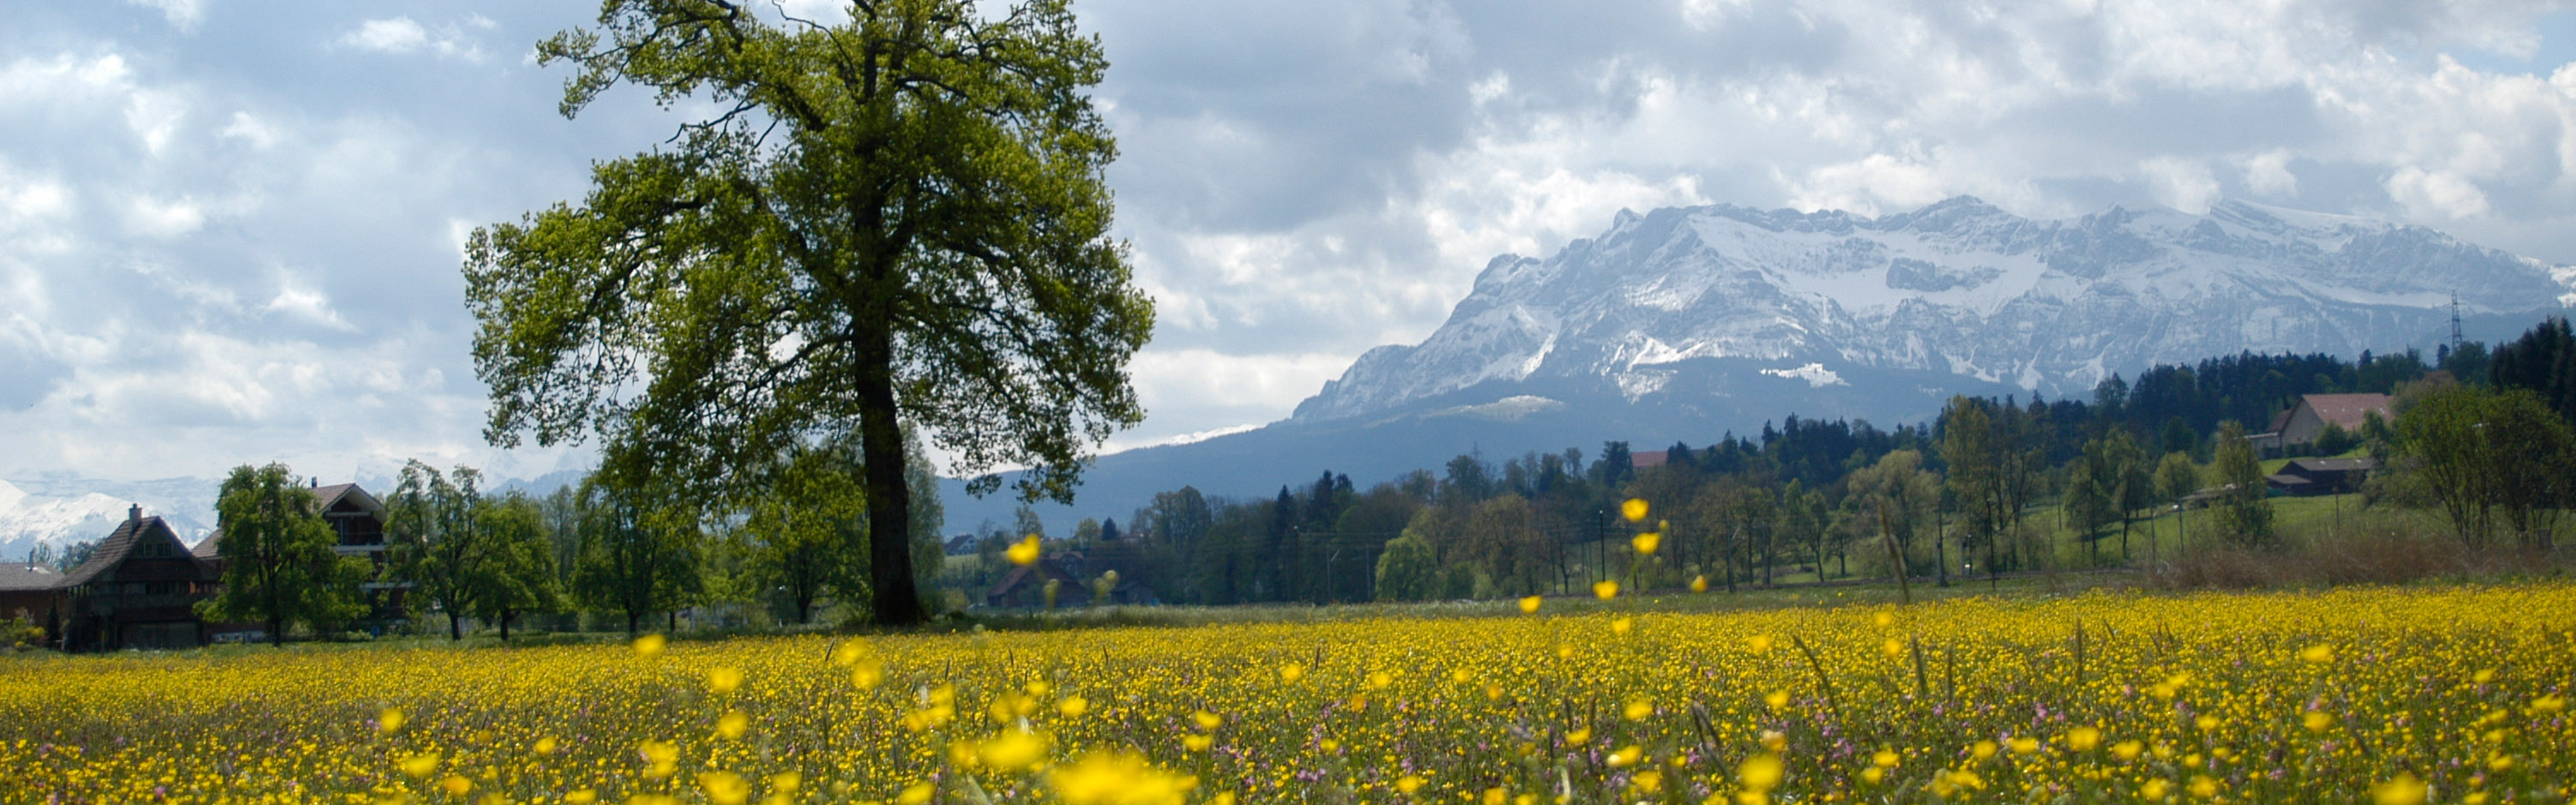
(358, 524)
(32, 591)
(139, 590)
(2300, 425)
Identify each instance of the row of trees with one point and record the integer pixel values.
(1817, 498)
(596, 547)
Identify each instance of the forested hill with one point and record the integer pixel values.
(1509, 523)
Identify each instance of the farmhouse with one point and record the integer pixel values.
(27, 590)
(138, 590)
(2299, 426)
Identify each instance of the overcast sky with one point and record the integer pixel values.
(229, 231)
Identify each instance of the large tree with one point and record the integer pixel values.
(279, 568)
(438, 542)
(519, 566)
(638, 555)
(896, 220)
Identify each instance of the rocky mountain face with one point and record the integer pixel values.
(1686, 324)
(1959, 288)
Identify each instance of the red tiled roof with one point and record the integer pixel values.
(1647, 458)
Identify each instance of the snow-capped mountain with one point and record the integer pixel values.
(1958, 289)
(62, 510)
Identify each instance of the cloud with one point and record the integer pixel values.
(197, 232)
(2430, 193)
(182, 14)
(402, 36)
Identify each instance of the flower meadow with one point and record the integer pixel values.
(2387, 695)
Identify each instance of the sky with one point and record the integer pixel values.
(230, 232)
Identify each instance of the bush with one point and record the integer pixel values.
(21, 632)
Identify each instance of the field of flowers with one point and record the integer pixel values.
(2453, 694)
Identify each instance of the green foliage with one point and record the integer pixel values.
(896, 221)
(518, 574)
(2542, 361)
(2477, 452)
(438, 543)
(2176, 477)
(279, 568)
(2245, 508)
(1408, 570)
(2333, 440)
(637, 558)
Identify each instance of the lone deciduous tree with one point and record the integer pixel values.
(279, 568)
(896, 220)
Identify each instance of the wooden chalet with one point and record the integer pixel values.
(140, 589)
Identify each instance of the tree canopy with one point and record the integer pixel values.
(279, 568)
(900, 220)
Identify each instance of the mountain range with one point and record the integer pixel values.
(1688, 323)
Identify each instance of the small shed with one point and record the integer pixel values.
(2325, 476)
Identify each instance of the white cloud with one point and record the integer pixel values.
(2430, 193)
(308, 304)
(162, 219)
(1871, 185)
(396, 35)
(249, 128)
(2268, 173)
(2182, 184)
(182, 14)
(403, 36)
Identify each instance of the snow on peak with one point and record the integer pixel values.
(1957, 287)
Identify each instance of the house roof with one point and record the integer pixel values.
(2347, 410)
(325, 497)
(1032, 575)
(112, 551)
(1642, 459)
(2331, 465)
(23, 576)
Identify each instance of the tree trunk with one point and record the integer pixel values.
(505, 626)
(889, 498)
(455, 622)
(277, 632)
(632, 618)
